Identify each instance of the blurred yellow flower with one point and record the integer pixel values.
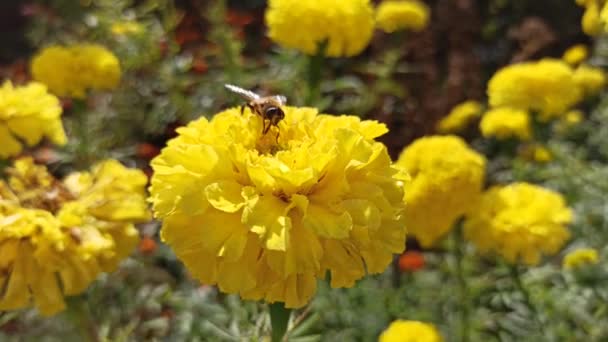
(460, 116)
(505, 122)
(265, 216)
(122, 28)
(536, 152)
(573, 117)
(56, 237)
(519, 222)
(394, 15)
(347, 25)
(447, 179)
(546, 86)
(27, 114)
(410, 331)
(581, 257)
(71, 71)
(590, 79)
(590, 21)
(576, 54)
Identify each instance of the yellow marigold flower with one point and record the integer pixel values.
(536, 152)
(504, 122)
(546, 86)
(264, 216)
(447, 178)
(27, 114)
(56, 237)
(394, 15)
(591, 22)
(581, 257)
(410, 331)
(519, 222)
(123, 28)
(573, 117)
(576, 54)
(590, 79)
(71, 71)
(347, 25)
(460, 116)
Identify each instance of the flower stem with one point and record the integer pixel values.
(458, 249)
(279, 317)
(517, 281)
(81, 131)
(315, 70)
(79, 313)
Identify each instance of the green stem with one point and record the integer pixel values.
(516, 276)
(465, 313)
(315, 71)
(79, 313)
(81, 131)
(279, 317)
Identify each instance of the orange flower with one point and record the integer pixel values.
(411, 261)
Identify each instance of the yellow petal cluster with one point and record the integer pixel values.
(410, 331)
(265, 216)
(576, 54)
(71, 71)
(124, 28)
(459, 117)
(446, 180)
(27, 114)
(506, 122)
(547, 86)
(394, 15)
(595, 18)
(56, 237)
(519, 222)
(590, 79)
(581, 257)
(346, 25)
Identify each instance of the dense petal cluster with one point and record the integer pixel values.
(505, 122)
(581, 257)
(595, 17)
(410, 331)
(547, 86)
(346, 25)
(460, 116)
(519, 222)
(576, 54)
(27, 114)
(266, 215)
(56, 237)
(590, 79)
(394, 15)
(71, 71)
(446, 180)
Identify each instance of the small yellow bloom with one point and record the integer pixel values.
(581, 257)
(576, 54)
(346, 25)
(546, 86)
(410, 331)
(56, 237)
(519, 222)
(590, 79)
(537, 153)
(394, 15)
(591, 22)
(447, 178)
(573, 117)
(504, 122)
(460, 116)
(123, 28)
(266, 215)
(27, 114)
(71, 71)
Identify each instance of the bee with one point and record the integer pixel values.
(267, 107)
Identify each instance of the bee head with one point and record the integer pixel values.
(275, 114)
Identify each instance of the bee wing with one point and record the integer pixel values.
(249, 95)
(281, 99)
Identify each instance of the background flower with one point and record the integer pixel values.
(519, 222)
(447, 178)
(71, 71)
(265, 217)
(459, 117)
(394, 15)
(411, 331)
(581, 257)
(55, 237)
(27, 114)
(347, 25)
(505, 122)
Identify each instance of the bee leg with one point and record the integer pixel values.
(277, 137)
(264, 129)
(242, 109)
